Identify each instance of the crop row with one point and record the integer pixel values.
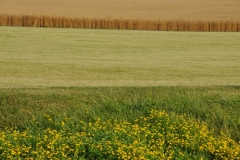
(122, 24)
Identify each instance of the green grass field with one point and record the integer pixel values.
(41, 57)
(110, 94)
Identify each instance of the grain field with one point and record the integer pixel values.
(155, 15)
(133, 9)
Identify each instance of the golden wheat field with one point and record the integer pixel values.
(165, 15)
(127, 9)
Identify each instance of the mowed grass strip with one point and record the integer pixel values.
(43, 57)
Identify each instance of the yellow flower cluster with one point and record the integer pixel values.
(155, 136)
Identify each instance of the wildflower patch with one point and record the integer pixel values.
(155, 136)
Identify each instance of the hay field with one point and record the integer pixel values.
(133, 9)
(45, 57)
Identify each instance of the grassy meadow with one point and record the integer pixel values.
(110, 94)
(43, 57)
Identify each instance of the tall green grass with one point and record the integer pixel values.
(218, 107)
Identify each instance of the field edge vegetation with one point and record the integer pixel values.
(156, 135)
(120, 122)
(218, 107)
